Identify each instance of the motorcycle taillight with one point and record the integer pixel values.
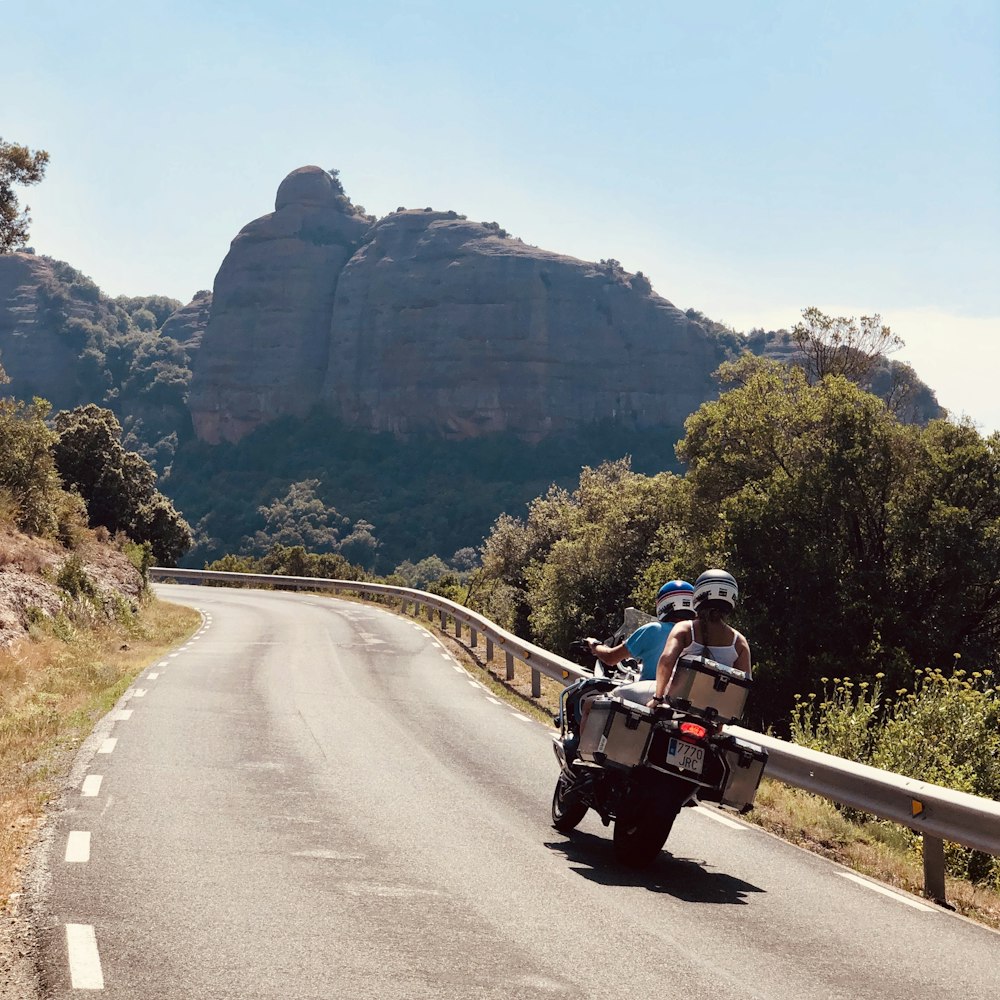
(694, 730)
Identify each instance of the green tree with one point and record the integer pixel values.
(118, 486)
(18, 165)
(300, 518)
(589, 573)
(836, 345)
(30, 490)
(569, 567)
(422, 574)
(861, 544)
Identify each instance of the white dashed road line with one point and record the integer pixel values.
(139, 693)
(123, 716)
(78, 847)
(163, 664)
(457, 668)
(84, 960)
(523, 718)
(898, 896)
(108, 745)
(152, 676)
(91, 785)
(495, 701)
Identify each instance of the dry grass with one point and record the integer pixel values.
(51, 694)
(875, 848)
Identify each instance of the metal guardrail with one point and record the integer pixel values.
(937, 813)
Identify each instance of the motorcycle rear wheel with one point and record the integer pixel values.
(639, 839)
(567, 809)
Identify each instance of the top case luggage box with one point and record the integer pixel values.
(617, 733)
(708, 688)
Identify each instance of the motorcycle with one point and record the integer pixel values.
(638, 767)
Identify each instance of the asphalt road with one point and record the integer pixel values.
(312, 800)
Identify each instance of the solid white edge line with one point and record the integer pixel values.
(719, 818)
(84, 959)
(898, 896)
(78, 847)
(108, 745)
(91, 785)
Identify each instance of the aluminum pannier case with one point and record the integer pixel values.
(708, 688)
(744, 765)
(616, 733)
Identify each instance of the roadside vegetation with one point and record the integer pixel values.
(54, 686)
(80, 523)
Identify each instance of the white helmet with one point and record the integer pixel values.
(715, 585)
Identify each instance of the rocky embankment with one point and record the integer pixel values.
(29, 587)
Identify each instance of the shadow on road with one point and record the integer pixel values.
(683, 878)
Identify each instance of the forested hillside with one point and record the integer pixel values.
(64, 340)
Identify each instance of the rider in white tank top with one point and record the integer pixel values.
(725, 655)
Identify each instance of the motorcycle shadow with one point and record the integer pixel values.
(683, 878)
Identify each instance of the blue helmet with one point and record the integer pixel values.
(675, 599)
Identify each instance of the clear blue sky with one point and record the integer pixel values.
(752, 159)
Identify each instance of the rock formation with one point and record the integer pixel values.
(187, 325)
(425, 320)
(264, 353)
(445, 324)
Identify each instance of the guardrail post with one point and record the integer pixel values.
(536, 683)
(510, 665)
(473, 637)
(444, 620)
(489, 649)
(934, 868)
(458, 629)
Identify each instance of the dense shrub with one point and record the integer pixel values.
(945, 731)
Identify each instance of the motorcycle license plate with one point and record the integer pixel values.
(685, 756)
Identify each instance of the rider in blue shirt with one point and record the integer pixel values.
(674, 603)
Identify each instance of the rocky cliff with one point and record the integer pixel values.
(427, 321)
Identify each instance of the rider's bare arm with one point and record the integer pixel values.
(679, 639)
(742, 654)
(607, 654)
